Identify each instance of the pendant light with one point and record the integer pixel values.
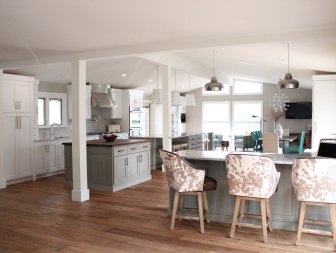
(213, 85)
(189, 98)
(288, 82)
(175, 95)
(156, 95)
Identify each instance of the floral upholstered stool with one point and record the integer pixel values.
(314, 182)
(185, 179)
(251, 178)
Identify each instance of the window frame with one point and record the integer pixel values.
(53, 95)
(234, 92)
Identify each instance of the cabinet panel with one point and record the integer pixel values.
(119, 165)
(40, 159)
(60, 156)
(9, 150)
(144, 163)
(24, 96)
(52, 158)
(8, 96)
(132, 166)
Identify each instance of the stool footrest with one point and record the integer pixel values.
(317, 222)
(316, 232)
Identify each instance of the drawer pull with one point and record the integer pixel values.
(133, 148)
(121, 150)
(145, 147)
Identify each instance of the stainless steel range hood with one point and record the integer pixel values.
(100, 96)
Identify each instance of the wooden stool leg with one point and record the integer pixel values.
(206, 206)
(200, 211)
(241, 212)
(301, 222)
(333, 222)
(176, 198)
(269, 214)
(264, 219)
(181, 204)
(235, 216)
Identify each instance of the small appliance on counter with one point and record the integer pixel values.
(113, 128)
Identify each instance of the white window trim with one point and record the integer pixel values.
(234, 92)
(47, 96)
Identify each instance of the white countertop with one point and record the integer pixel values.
(221, 155)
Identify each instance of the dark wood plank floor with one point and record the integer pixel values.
(40, 217)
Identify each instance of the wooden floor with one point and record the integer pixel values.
(40, 217)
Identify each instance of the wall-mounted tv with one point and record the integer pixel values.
(300, 110)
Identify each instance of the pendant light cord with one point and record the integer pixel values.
(175, 79)
(189, 83)
(288, 58)
(213, 62)
(157, 76)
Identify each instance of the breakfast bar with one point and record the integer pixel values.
(285, 207)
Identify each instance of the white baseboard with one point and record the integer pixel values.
(80, 195)
(3, 183)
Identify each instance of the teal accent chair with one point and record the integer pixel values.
(257, 140)
(298, 149)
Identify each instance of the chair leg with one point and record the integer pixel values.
(269, 215)
(200, 211)
(181, 204)
(333, 222)
(235, 216)
(264, 219)
(206, 206)
(301, 222)
(241, 212)
(176, 200)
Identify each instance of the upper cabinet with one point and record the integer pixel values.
(88, 101)
(135, 97)
(116, 112)
(17, 93)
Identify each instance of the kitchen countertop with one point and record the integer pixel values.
(117, 142)
(172, 137)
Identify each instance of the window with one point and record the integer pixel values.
(216, 117)
(247, 116)
(52, 109)
(246, 87)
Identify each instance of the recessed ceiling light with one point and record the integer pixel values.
(149, 80)
(123, 75)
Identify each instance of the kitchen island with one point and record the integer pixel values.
(284, 205)
(112, 166)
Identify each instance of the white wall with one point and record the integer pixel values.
(194, 114)
(52, 87)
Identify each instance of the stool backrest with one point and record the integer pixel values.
(252, 176)
(181, 175)
(314, 179)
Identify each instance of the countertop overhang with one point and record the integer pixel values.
(117, 142)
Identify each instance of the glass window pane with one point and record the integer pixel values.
(41, 112)
(246, 128)
(247, 87)
(55, 111)
(243, 111)
(217, 128)
(216, 111)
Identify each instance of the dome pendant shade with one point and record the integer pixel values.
(288, 82)
(214, 85)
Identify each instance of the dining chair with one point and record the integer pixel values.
(314, 182)
(257, 140)
(271, 143)
(185, 179)
(298, 149)
(251, 178)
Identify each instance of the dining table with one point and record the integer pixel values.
(285, 140)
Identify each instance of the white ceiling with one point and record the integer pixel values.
(250, 39)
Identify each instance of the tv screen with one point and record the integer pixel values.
(302, 110)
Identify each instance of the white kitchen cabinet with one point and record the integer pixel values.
(116, 112)
(17, 92)
(131, 165)
(88, 101)
(135, 98)
(17, 152)
(48, 157)
(324, 118)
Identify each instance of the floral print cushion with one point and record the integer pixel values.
(314, 179)
(251, 176)
(181, 175)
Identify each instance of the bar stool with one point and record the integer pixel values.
(251, 178)
(185, 179)
(314, 182)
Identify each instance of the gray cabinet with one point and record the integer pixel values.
(119, 165)
(132, 167)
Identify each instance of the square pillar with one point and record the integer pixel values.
(166, 108)
(80, 190)
(3, 183)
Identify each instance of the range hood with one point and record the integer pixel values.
(100, 96)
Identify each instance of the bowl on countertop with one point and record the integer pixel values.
(109, 137)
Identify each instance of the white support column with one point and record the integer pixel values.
(2, 173)
(80, 190)
(166, 108)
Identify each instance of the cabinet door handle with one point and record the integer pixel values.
(141, 158)
(17, 122)
(126, 161)
(133, 148)
(145, 147)
(20, 121)
(19, 105)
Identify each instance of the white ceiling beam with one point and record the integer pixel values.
(178, 45)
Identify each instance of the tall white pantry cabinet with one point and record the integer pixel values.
(18, 107)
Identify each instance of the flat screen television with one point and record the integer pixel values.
(300, 110)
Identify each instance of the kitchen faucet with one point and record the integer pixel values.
(52, 130)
